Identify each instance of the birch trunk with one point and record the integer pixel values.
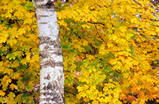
(51, 61)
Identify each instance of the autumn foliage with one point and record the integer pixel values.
(110, 51)
(19, 53)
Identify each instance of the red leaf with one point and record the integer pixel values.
(91, 20)
(131, 98)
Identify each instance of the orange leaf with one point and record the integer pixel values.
(131, 98)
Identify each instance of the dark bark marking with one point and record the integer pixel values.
(48, 99)
(57, 97)
(56, 43)
(51, 63)
(43, 15)
(49, 86)
(59, 64)
(52, 86)
(59, 78)
(43, 23)
(58, 52)
(48, 77)
(46, 47)
(51, 42)
(44, 88)
(52, 11)
(43, 55)
(38, 18)
(40, 0)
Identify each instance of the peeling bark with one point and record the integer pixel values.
(51, 62)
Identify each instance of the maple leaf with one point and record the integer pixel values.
(131, 98)
(91, 20)
(2, 93)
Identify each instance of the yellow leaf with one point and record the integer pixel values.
(114, 37)
(152, 33)
(1, 63)
(22, 31)
(128, 36)
(2, 93)
(15, 63)
(90, 57)
(85, 43)
(133, 20)
(28, 56)
(109, 85)
(6, 79)
(73, 66)
(125, 75)
(16, 75)
(12, 41)
(110, 45)
(122, 28)
(83, 94)
(6, 99)
(103, 50)
(5, 2)
(3, 37)
(1, 27)
(7, 70)
(29, 21)
(31, 83)
(80, 88)
(13, 86)
(78, 96)
(85, 26)
(113, 61)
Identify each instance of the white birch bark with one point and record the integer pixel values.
(51, 61)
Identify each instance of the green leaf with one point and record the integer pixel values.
(29, 88)
(26, 77)
(10, 56)
(25, 95)
(25, 48)
(29, 6)
(99, 88)
(104, 63)
(78, 64)
(131, 47)
(1, 100)
(66, 46)
(71, 50)
(107, 69)
(128, 71)
(1, 52)
(116, 75)
(11, 95)
(22, 67)
(87, 48)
